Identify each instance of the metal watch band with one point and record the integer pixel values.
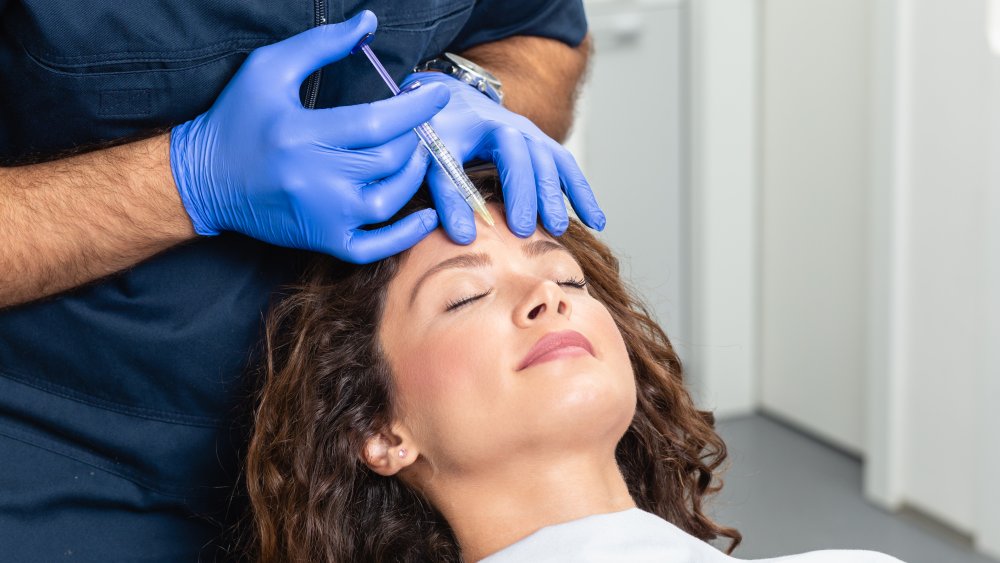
(467, 71)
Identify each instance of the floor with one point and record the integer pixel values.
(788, 493)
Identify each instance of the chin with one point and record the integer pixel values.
(590, 407)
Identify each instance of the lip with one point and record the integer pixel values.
(556, 345)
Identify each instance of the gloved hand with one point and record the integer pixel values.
(259, 163)
(530, 163)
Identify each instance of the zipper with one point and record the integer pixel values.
(312, 84)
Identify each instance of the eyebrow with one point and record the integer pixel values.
(539, 247)
(532, 249)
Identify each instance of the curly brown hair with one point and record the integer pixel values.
(327, 389)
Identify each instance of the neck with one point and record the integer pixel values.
(491, 510)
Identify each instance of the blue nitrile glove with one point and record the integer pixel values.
(531, 165)
(259, 163)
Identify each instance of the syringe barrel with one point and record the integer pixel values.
(447, 162)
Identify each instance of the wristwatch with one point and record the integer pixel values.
(466, 71)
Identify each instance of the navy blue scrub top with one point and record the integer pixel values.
(121, 402)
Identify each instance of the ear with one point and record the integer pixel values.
(390, 451)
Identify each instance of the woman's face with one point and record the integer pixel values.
(498, 350)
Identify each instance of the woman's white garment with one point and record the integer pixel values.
(637, 536)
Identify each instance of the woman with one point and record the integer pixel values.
(507, 400)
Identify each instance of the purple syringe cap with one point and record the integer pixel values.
(364, 41)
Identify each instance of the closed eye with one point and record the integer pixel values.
(458, 303)
(578, 283)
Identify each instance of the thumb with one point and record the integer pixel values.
(317, 47)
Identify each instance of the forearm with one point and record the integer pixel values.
(70, 221)
(541, 77)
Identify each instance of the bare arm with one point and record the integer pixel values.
(540, 76)
(70, 221)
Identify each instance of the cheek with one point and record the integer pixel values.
(442, 378)
(618, 401)
(616, 355)
(621, 353)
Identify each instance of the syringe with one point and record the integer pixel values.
(431, 140)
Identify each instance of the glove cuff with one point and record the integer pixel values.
(185, 165)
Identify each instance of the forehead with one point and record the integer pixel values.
(437, 247)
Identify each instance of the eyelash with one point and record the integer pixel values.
(452, 305)
(577, 283)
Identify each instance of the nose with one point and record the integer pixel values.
(543, 298)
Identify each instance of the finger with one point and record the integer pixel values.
(551, 205)
(369, 125)
(456, 216)
(368, 246)
(381, 200)
(509, 151)
(302, 54)
(375, 163)
(581, 196)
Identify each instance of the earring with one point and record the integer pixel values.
(402, 453)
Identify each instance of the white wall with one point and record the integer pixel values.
(988, 511)
(936, 295)
(814, 185)
(948, 184)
